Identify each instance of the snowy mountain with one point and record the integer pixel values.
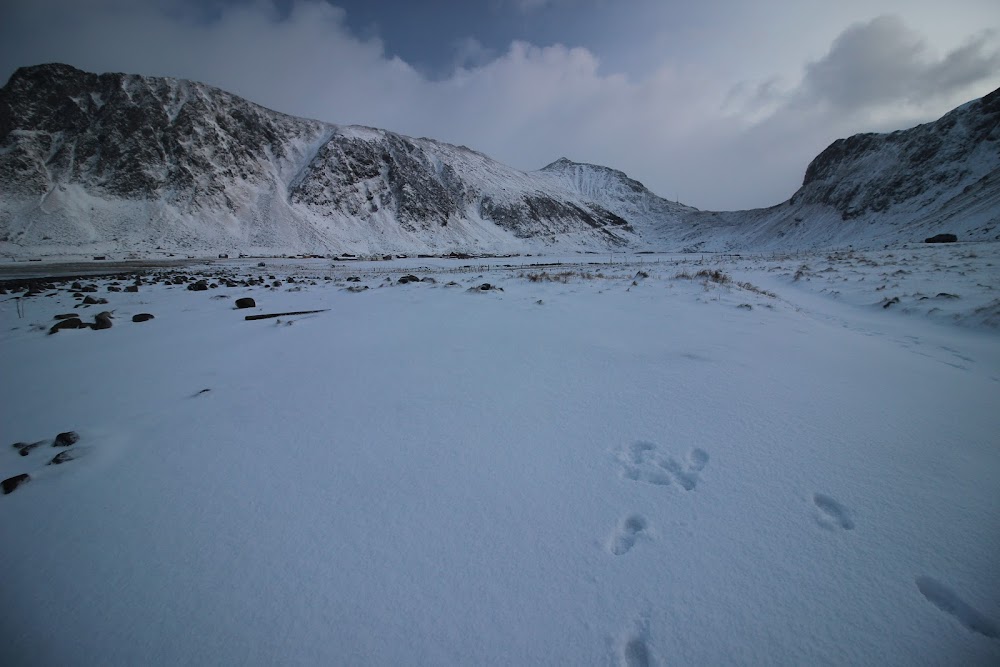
(132, 163)
(123, 163)
(874, 189)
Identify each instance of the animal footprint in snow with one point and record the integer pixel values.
(627, 533)
(947, 601)
(687, 473)
(642, 462)
(636, 654)
(634, 649)
(832, 514)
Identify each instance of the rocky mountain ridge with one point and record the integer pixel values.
(126, 163)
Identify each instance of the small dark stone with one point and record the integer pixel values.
(66, 439)
(485, 286)
(69, 323)
(942, 238)
(132, 288)
(24, 448)
(67, 316)
(101, 321)
(62, 457)
(890, 302)
(89, 300)
(12, 483)
(353, 279)
(245, 302)
(142, 317)
(199, 286)
(408, 279)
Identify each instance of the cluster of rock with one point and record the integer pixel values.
(63, 440)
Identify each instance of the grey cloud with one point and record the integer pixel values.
(883, 61)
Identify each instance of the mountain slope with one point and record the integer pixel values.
(123, 162)
(875, 189)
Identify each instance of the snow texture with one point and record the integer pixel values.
(667, 459)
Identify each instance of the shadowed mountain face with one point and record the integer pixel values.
(138, 162)
(136, 137)
(118, 162)
(873, 173)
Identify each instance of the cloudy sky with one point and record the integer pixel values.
(719, 103)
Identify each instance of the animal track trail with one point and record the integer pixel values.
(626, 534)
(643, 462)
(639, 464)
(634, 648)
(636, 654)
(948, 601)
(831, 513)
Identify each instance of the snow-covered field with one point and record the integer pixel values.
(600, 464)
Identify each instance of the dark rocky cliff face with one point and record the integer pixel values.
(874, 172)
(201, 150)
(360, 177)
(137, 162)
(135, 137)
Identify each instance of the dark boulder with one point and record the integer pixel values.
(142, 317)
(90, 301)
(246, 302)
(131, 288)
(101, 321)
(12, 483)
(62, 457)
(942, 238)
(408, 279)
(66, 439)
(24, 448)
(68, 323)
(199, 286)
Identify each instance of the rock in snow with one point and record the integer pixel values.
(66, 439)
(11, 483)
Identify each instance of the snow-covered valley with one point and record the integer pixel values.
(630, 460)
